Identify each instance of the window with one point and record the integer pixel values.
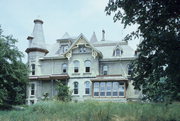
(87, 66)
(76, 84)
(102, 89)
(64, 68)
(96, 88)
(82, 49)
(64, 48)
(115, 88)
(105, 70)
(130, 69)
(121, 89)
(87, 87)
(109, 89)
(32, 89)
(33, 69)
(76, 66)
(118, 52)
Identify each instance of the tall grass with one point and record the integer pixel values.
(94, 111)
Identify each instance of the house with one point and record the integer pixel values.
(94, 70)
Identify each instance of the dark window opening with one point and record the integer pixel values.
(33, 69)
(87, 69)
(76, 70)
(64, 70)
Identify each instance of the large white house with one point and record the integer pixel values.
(94, 70)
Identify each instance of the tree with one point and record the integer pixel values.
(157, 67)
(63, 91)
(13, 72)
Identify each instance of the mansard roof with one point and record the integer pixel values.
(103, 48)
(107, 48)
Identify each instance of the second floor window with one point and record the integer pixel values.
(33, 69)
(130, 69)
(76, 66)
(87, 66)
(105, 70)
(64, 68)
(76, 84)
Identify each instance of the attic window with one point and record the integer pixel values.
(117, 52)
(64, 48)
(82, 49)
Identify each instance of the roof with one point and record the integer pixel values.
(107, 48)
(104, 48)
(109, 78)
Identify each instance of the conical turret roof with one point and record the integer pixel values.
(93, 38)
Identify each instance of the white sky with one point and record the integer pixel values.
(60, 16)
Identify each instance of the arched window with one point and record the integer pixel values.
(64, 68)
(105, 70)
(87, 87)
(87, 64)
(76, 66)
(76, 84)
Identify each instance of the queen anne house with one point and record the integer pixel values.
(94, 70)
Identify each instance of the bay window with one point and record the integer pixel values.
(109, 89)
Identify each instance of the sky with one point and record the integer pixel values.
(60, 16)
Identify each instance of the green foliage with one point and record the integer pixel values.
(94, 111)
(63, 91)
(157, 68)
(13, 73)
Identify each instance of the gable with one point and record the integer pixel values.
(79, 42)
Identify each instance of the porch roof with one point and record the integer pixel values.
(49, 77)
(109, 78)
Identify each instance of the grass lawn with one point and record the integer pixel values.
(94, 111)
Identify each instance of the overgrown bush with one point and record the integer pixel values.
(64, 93)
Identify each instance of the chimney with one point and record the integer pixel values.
(103, 35)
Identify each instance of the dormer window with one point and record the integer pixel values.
(64, 48)
(118, 52)
(82, 49)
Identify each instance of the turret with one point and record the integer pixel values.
(37, 47)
